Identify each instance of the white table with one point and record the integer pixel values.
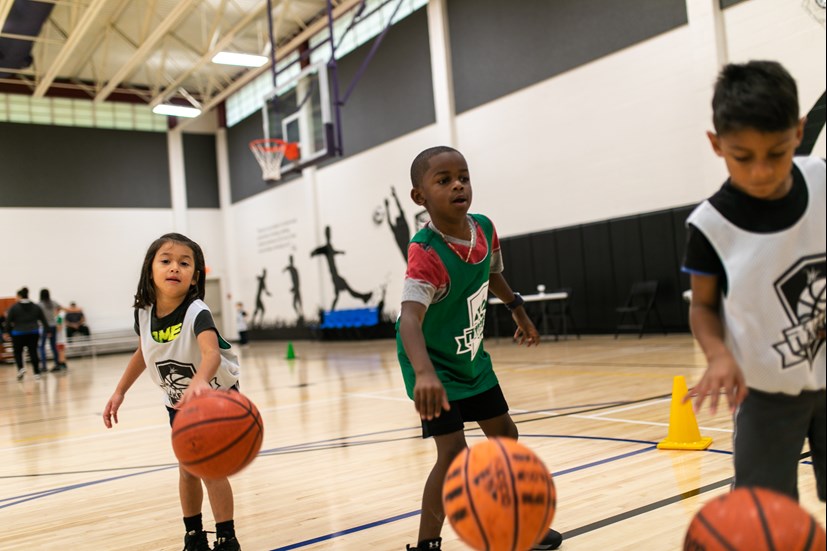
(543, 298)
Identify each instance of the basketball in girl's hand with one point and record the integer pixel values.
(499, 496)
(753, 519)
(217, 433)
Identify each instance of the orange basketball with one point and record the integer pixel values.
(753, 519)
(217, 434)
(499, 496)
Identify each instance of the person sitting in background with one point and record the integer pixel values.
(75, 321)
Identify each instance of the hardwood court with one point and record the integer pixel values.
(342, 465)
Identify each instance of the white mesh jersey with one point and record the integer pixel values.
(775, 303)
(173, 364)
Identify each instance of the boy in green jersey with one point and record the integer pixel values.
(453, 262)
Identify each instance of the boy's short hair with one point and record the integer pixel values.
(760, 95)
(421, 163)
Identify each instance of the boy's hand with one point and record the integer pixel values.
(110, 412)
(723, 373)
(526, 333)
(196, 388)
(430, 397)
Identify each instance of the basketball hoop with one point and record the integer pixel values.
(269, 153)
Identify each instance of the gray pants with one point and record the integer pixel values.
(770, 430)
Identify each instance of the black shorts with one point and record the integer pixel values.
(173, 411)
(486, 405)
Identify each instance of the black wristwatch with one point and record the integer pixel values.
(518, 301)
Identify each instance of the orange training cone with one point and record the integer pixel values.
(683, 427)
(291, 354)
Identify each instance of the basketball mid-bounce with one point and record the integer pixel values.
(499, 496)
(217, 433)
(754, 519)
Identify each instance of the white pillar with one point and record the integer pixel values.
(441, 74)
(177, 180)
(225, 202)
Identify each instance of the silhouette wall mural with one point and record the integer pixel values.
(339, 283)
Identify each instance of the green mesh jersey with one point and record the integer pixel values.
(453, 326)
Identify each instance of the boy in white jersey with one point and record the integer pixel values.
(756, 255)
(452, 264)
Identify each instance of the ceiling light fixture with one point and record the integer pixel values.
(240, 60)
(176, 110)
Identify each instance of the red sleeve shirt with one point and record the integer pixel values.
(426, 279)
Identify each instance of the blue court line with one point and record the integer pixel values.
(348, 531)
(16, 500)
(649, 447)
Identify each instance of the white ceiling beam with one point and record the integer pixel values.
(78, 33)
(5, 8)
(206, 58)
(249, 76)
(146, 47)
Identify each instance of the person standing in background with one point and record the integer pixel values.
(241, 323)
(49, 334)
(23, 323)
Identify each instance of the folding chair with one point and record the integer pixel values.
(559, 311)
(638, 305)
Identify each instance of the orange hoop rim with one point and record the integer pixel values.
(269, 145)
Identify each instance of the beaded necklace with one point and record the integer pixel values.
(451, 245)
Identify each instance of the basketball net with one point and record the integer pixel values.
(269, 153)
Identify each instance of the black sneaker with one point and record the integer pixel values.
(428, 545)
(553, 540)
(227, 544)
(196, 541)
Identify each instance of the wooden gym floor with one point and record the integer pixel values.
(343, 465)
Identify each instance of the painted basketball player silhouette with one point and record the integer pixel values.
(294, 279)
(400, 230)
(339, 283)
(262, 288)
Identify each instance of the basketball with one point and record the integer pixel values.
(499, 496)
(754, 519)
(217, 434)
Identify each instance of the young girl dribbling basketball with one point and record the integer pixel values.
(186, 355)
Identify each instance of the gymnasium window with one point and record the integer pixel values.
(76, 112)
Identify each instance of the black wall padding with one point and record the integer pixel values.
(201, 171)
(599, 261)
(395, 95)
(74, 167)
(500, 47)
(599, 298)
(661, 262)
(571, 265)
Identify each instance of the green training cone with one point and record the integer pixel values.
(291, 354)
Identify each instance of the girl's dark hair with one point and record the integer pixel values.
(23, 292)
(422, 162)
(146, 288)
(45, 296)
(760, 95)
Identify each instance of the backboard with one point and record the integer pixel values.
(300, 111)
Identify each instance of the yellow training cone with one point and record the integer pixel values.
(683, 427)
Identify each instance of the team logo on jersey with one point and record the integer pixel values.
(471, 338)
(801, 291)
(176, 377)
